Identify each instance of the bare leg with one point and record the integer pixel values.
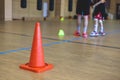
(78, 23)
(85, 26)
(85, 23)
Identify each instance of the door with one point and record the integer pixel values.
(57, 8)
(1, 10)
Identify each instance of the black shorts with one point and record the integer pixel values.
(83, 12)
(83, 7)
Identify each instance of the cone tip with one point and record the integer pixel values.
(37, 23)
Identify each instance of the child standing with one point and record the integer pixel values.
(98, 15)
(82, 9)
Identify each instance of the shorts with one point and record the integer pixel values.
(82, 12)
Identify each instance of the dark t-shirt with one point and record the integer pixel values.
(99, 8)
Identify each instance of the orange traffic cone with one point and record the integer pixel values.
(36, 62)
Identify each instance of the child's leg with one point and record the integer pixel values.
(77, 32)
(96, 25)
(85, 23)
(78, 23)
(94, 33)
(85, 26)
(101, 26)
(102, 33)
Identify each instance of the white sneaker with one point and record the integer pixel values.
(94, 34)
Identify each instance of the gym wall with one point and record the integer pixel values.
(112, 9)
(29, 12)
(31, 9)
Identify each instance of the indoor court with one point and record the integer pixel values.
(50, 50)
(94, 58)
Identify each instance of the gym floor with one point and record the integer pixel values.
(74, 58)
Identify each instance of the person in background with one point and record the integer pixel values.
(82, 10)
(98, 16)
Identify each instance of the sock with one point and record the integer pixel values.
(101, 25)
(85, 29)
(101, 30)
(96, 25)
(96, 28)
(78, 29)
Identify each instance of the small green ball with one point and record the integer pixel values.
(62, 19)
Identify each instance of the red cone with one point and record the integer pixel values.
(36, 62)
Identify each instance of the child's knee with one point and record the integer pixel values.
(101, 22)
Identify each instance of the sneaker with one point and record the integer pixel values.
(94, 34)
(102, 33)
(77, 33)
(84, 35)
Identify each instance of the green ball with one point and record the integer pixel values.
(62, 19)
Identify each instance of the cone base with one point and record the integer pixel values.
(37, 69)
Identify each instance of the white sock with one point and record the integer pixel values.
(101, 26)
(96, 28)
(96, 25)
(101, 29)
(85, 29)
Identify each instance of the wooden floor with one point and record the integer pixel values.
(74, 58)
